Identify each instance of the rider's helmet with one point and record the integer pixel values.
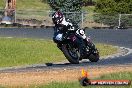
(57, 17)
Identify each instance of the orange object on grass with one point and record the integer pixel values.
(84, 73)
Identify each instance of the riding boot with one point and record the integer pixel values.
(82, 51)
(82, 48)
(59, 46)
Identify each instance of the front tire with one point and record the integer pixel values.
(67, 51)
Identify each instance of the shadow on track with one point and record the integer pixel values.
(104, 62)
(126, 60)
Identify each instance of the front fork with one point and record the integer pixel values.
(90, 47)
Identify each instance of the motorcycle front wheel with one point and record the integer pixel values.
(71, 53)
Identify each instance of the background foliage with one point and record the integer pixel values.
(109, 10)
(74, 6)
(114, 6)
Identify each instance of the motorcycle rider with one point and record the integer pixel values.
(59, 20)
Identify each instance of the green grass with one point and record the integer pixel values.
(15, 52)
(28, 14)
(1, 4)
(32, 4)
(120, 75)
(89, 9)
(106, 50)
(35, 5)
(18, 51)
(37, 9)
(28, 4)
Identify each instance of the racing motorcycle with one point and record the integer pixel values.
(71, 50)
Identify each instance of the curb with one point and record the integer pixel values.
(123, 51)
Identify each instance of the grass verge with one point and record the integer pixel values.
(28, 4)
(36, 5)
(18, 51)
(120, 75)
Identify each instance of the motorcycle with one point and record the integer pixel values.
(71, 50)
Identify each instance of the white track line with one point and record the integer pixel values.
(123, 51)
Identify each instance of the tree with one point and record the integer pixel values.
(113, 6)
(73, 6)
(109, 10)
(88, 2)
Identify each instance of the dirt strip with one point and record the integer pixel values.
(43, 77)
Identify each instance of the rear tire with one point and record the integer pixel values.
(94, 57)
(72, 59)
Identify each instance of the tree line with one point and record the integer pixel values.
(101, 6)
(109, 8)
(114, 6)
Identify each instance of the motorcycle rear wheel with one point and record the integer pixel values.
(94, 57)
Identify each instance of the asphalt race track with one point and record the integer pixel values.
(122, 38)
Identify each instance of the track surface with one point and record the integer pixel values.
(114, 37)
